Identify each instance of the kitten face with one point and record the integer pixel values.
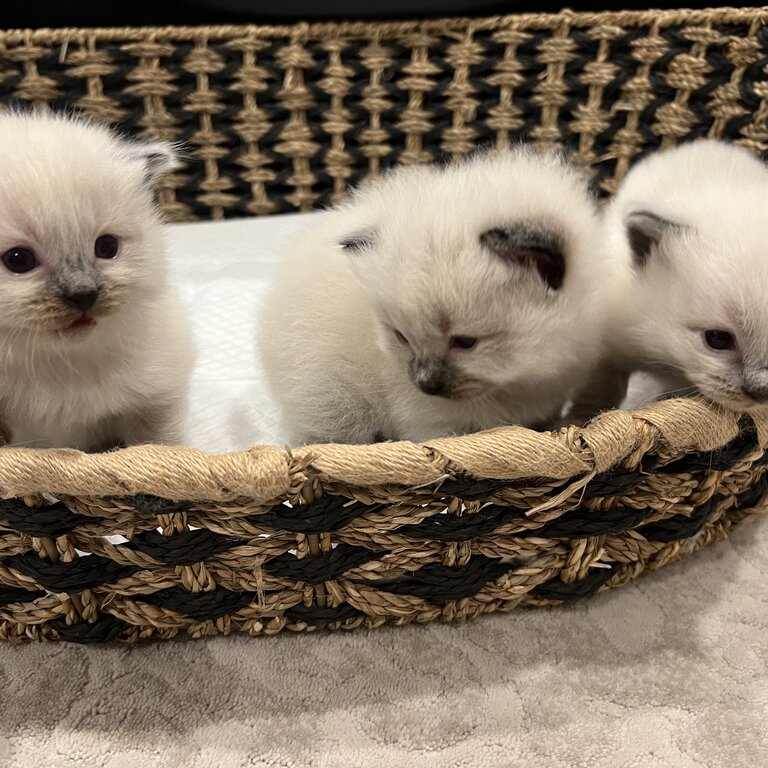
(483, 276)
(474, 315)
(78, 230)
(702, 313)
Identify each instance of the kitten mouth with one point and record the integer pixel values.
(82, 324)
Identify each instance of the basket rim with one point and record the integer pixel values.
(266, 473)
(303, 30)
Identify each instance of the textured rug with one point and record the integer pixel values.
(670, 671)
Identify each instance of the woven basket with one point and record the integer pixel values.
(283, 119)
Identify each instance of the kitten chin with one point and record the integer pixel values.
(438, 300)
(686, 227)
(96, 351)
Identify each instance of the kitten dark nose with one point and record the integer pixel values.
(433, 386)
(756, 393)
(82, 300)
(432, 375)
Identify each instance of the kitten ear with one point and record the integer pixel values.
(644, 231)
(529, 247)
(159, 157)
(359, 242)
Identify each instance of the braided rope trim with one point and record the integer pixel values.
(669, 429)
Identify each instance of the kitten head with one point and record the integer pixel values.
(79, 236)
(699, 300)
(480, 274)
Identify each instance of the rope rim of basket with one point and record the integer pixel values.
(374, 29)
(264, 473)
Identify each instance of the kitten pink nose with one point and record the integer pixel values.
(82, 300)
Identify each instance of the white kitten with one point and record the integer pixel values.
(688, 225)
(438, 300)
(94, 350)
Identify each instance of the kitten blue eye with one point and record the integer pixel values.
(399, 336)
(20, 260)
(720, 340)
(463, 342)
(106, 247)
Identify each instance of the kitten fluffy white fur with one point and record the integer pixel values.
(94, 350)
(687, 227)
(439, 300)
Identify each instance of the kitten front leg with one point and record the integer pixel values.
(5, 432)
(359, 428)
(155, 423)
(5, 428)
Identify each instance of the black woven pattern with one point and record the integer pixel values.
(200, 605)
(105, 629)
(432, 582)
(557, 589)
(685, 526)
(315, 570)
(329, 513)
(319, 616)
(83, 573)
(453, 528)
(581, 523)
(440, 583)
(183, 548)
(48, 522)
(679, 526)
(470, 488)
(15, 595)
(296, 150)
(612, 483)
(754, 496)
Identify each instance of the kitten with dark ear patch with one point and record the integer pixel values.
(687, 230)
(438, 300)
(94, 349)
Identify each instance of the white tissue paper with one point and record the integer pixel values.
(222, 270)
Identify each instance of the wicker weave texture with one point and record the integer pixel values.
(282, 119)
(278, 119)
(349, 536)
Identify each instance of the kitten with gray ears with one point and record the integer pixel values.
(686, 233)
(94, 349)
(438, 300)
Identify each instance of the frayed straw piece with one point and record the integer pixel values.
(561, 497)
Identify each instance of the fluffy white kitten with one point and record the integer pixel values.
(688, 228)
(94, 351)
(439, 300)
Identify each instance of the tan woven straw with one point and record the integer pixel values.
(279, 119)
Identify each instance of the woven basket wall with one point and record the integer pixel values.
(282, 119)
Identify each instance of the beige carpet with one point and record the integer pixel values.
(671, 671)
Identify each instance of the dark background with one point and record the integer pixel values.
(181, 12)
